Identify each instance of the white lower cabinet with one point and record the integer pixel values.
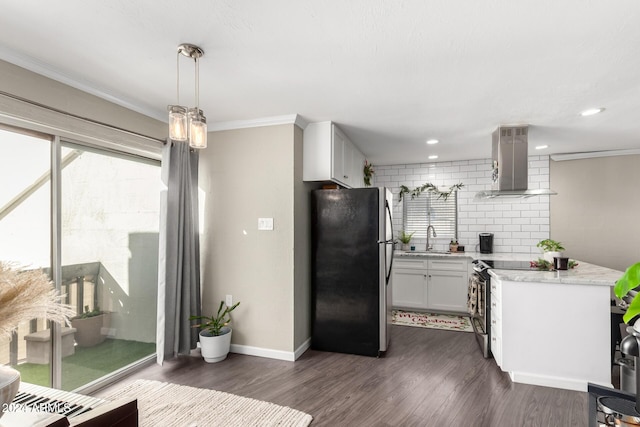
(430, 283)
(447, 290)
(496, 322)
(410, 288)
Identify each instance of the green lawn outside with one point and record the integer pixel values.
(90, 363)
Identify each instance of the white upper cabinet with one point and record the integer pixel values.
(328, 155)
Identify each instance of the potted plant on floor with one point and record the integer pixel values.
(89, 326)
(551, 249)
(405, 239)
(215, 334)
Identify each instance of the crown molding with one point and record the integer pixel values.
(288, 119)
(76, 82)
(593, 154)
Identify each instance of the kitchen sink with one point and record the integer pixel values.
(419, 253)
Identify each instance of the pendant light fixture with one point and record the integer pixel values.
(188, 124)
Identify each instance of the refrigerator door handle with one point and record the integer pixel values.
(390, 241)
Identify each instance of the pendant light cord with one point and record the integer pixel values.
(197, 67)
(178, 77)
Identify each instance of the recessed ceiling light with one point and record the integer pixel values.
(541, 147)
(592, 111)
(432, 141)
(433, 156)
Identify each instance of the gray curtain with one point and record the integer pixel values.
(179, 271)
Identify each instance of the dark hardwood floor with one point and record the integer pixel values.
(427, 378)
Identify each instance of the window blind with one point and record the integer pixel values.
(429, 209)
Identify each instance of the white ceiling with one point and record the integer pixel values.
(391, 73)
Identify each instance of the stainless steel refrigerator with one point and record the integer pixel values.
(352, 257)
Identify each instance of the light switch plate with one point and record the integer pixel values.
(265, 224)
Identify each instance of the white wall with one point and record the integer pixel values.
(517, 224)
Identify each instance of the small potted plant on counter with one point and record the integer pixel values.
(405, 239)
(453, 246)
(215, 334)
(551, 249)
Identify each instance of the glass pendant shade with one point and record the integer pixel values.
(197, 129)
(188, 124)
(178, 130)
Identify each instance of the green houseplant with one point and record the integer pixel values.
(90, 326)
(551, 249)
(405, 239)
(215, 334)
(549, 245)
(368, 173)
(629, 280)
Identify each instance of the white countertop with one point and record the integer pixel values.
(583, 274)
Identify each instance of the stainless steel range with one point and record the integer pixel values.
(479, 298)
(478, 305)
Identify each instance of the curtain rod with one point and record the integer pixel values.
(85, 119)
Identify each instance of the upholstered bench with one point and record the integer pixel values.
(39, 345)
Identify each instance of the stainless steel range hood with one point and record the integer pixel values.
(510, 162)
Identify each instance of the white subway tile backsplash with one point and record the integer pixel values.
(517, 224)
(504, 221)
(522, 221)
(477, 174)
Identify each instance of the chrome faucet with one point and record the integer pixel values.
(430, 247)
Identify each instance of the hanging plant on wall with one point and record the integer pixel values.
(368, 173)
(429, 188)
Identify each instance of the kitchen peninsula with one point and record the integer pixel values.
(549, 328)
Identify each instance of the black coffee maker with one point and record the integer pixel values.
(486, 243)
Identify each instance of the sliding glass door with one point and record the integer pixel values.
(110, 226)
(108, 234)
(25, 238)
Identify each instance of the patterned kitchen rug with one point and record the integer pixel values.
(448, 322)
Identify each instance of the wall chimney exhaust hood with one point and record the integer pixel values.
(510, 162)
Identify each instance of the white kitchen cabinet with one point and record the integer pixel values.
(447, 284)
(447, 290)
(409, 283)
(436, 283)
(536, 324)
(496, 321)
(357, 171)
(410, 288)
(328, 155)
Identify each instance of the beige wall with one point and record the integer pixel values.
(246, 174)
(596, 214)
(34, 87)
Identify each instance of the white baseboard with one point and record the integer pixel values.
(269, 353)
(304, 347)
(556, 382)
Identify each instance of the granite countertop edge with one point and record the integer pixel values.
(584, 274)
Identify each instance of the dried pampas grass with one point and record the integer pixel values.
(26, 295)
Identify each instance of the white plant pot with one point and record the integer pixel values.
(548, 256)
(9, 384)
(215, 348)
